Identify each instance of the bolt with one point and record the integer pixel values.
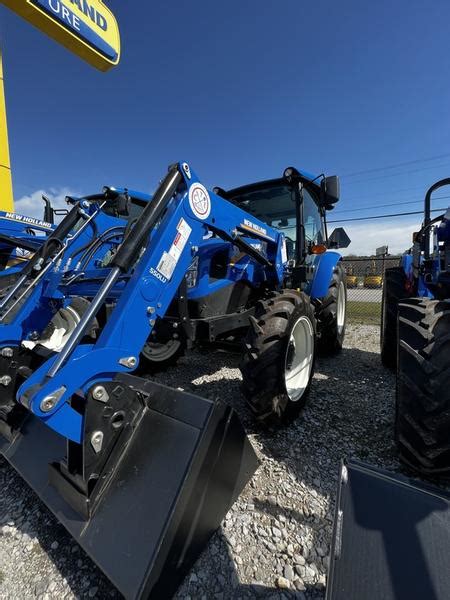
(48, 403)
(97, 441)
(99, 393)
(187, 170)
(159, 305)
(194, 250)
(152, 322)
(175, 325)
(175, 336)
(151, 310)
(7, 352)
(130, 362)
(5, 380)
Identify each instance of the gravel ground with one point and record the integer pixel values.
(275, 542)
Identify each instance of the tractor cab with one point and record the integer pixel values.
(295, 204)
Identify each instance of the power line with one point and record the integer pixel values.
(339, 212)
(394, 191)
(397, 174)
(405, 214)
(395, 166)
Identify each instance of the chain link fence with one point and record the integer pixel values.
(365, 277)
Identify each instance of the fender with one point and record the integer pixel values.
(407, 264)
(324, 265)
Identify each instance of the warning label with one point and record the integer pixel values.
(166, 265)
(170, 259)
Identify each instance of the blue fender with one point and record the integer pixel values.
(406, 264)
(324, 265)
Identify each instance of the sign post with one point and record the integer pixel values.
(85, 27)
(6, 192)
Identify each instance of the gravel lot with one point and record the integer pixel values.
(275, 542)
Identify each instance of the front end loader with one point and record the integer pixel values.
(140, 474)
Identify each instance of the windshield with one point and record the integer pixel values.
(275, 205)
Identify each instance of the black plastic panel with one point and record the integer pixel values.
(391, 539)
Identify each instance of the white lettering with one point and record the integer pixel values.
(155, 273)
(255, 227)
(76, 22)
(55, 6)
(65, 13)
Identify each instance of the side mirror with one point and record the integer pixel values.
(331, 191)
(339, 239)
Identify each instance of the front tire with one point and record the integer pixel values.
(332, 316)
(278, 363)
(162, 349)
(422, 428)
(394, 291)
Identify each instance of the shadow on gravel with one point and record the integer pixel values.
(216, 577)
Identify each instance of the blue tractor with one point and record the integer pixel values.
(122, 287)
(415, 338)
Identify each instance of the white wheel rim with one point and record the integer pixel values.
(299, 359)
(340, 309)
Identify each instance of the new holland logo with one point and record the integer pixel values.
(86, 27)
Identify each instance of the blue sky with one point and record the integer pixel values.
(241, 90)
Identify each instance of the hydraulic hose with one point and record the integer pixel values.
(56, 238)
(84, 260)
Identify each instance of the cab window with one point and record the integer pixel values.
(312, 220)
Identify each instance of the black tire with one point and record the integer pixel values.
(162, 350)
(422, 428)
(394, 291)
(332, 333)
(267, 347)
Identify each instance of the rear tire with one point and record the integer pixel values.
(278, 363)
(422, 428)
(331, 318)
(393, 292)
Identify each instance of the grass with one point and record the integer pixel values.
(366, 313)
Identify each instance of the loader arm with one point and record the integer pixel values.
(157, 253)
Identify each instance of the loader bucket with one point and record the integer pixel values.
(186, 464)
(391, 538)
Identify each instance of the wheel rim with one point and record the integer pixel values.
(299, 359)
(340, 309)
(160, 352)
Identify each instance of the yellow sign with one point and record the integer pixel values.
(86, 27)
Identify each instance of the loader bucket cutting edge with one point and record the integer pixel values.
(183, 469)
